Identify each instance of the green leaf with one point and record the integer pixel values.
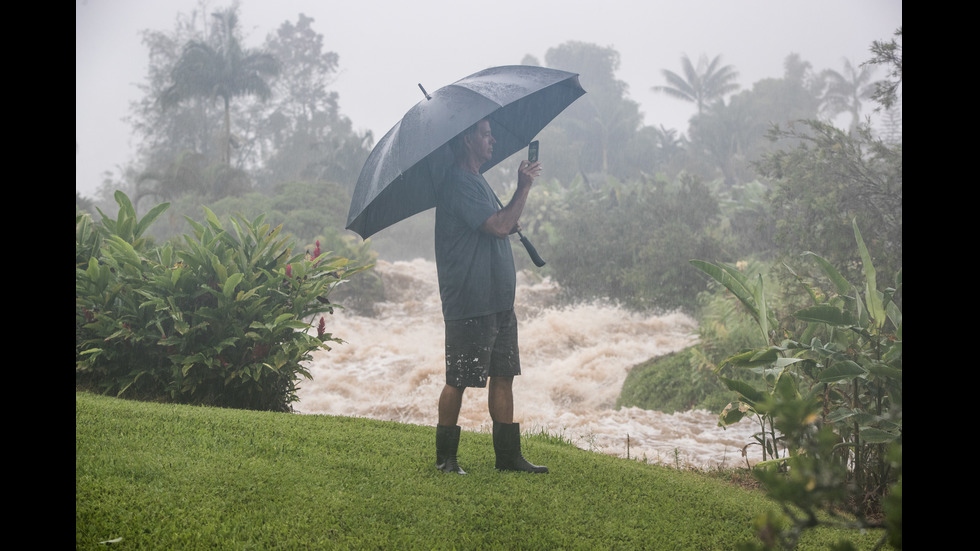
(148, 219)
(763, 313)
(825, 313)
(730, 417)
(786, 386)
(744, 389)
(840, 283)
(733, 280)
(228, 287)
(754, 358)
(212, 219)
(782, 363)
(885, 370)
(872, 296)
(841, 371)
(871, 435)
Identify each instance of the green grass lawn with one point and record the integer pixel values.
(161, 476)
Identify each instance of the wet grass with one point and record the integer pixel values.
(155, 476)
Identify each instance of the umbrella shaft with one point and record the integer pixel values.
(531, 251)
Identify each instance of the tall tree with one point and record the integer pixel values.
(846, 91)
(701, 85)
(222, 69)
(731, 137)
(301, 131)
(889, 54)
(599, 128)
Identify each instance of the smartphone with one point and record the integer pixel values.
(532, 152)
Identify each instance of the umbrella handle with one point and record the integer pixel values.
(531, 251)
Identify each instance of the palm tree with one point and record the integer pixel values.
(846, 91)
(223, 70)
(702, 84)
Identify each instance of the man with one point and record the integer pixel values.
(476, 283)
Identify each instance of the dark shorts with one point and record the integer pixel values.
(478, 348)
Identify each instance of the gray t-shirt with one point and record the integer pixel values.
(476, 269)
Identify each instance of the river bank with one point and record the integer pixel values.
(574, 361)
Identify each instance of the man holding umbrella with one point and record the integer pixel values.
(480, 120)
(477, 280)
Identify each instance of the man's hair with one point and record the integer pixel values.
(458, 145)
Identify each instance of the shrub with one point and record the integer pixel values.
(673, 383)
(219, 318)
(632, 243)
(832, 398)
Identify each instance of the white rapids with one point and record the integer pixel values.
(574, 360)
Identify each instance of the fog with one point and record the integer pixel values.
(387, 47)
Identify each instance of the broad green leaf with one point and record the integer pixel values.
(841, 371)
(760, 301)
(733, 280)
(212, 219)
(93, 271)
(148, 219)
(895, 316)
(730, 417)
(782, 363)
(840, 414)
(885, 370)
(228, 287)
(129, 254)
(754, 358)
(871, 435)
(744, 389)
(825, 313)
(872, 296)
(840, 283)
(786, 386)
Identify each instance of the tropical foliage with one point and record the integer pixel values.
(223, 317)
(830, 408)
(584, 241)
(831, 178)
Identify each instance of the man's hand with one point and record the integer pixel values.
(505, 221)
(527, 173)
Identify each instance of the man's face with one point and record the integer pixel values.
(481, 142)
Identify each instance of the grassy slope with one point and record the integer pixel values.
(178, 477)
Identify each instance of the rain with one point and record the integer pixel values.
(594, 311)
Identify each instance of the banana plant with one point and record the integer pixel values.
(834, 391)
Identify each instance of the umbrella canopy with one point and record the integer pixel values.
(407, 165)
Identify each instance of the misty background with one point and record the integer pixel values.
(385, 48)
(670, 156)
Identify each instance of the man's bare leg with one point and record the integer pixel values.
(501, 399)
(450, 402)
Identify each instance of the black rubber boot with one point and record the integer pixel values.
(507, 446)
(447, 444)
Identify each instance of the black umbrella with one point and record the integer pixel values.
(403, 171)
